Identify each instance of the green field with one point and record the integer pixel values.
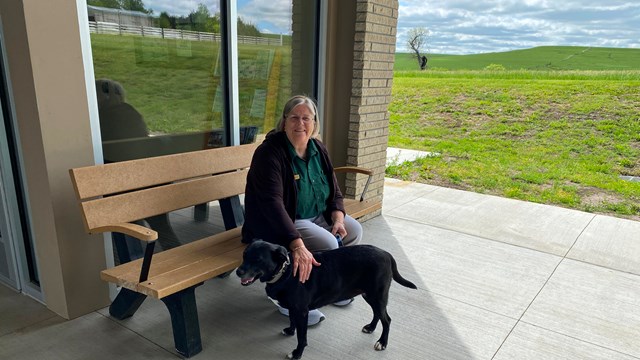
(538, 58)
(561, 137)
(174, 84)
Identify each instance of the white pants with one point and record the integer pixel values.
(316, 233)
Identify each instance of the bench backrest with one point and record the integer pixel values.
(133, 190)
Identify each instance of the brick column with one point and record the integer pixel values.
(374, 50)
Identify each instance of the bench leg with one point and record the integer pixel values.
(201, 212)
(166, 236)
(232, 212)
(126, 303)
(184, 321)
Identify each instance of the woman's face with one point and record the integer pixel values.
(299, 125)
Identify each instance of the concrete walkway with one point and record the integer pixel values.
(498, 279)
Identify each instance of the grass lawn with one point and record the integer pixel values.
(538, 58)
(561, 138)
(174, 84)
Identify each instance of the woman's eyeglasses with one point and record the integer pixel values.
(296, 118)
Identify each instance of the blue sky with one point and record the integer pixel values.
(464, 26)
(474, 26)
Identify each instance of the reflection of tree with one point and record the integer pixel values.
(248, 29)
(166, 22)
(201, 20)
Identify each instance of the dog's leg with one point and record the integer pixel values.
(291, 330)
(299, 319)
(371, 327)
(385, 319)
(378, 302)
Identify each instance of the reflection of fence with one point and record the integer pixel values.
(99, 27)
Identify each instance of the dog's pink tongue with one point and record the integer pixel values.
(246, 281)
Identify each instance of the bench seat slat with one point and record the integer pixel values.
(181, 267)
(356, 208)
(176, 262)
(131, 270)
(93, 181)
(145, 203)
(192, 274)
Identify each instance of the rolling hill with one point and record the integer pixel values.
(537, 58)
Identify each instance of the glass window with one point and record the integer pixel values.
(276, 58)
(158, 71)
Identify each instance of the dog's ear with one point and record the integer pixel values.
(280, 254)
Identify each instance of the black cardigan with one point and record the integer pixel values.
(271, 194)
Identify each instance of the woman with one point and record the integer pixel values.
(292, 196)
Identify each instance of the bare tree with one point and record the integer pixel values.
(417, 41)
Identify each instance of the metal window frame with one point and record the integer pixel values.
(229, 73)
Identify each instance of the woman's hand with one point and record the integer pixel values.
(338, 224)
(303, 260)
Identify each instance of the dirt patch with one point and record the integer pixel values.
(591, 196)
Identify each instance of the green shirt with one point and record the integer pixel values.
(313, 187)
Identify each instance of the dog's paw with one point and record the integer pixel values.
(289, 331)
(367, 329)
(293, 356)
(379, 346)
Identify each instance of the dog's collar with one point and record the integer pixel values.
(277, 276)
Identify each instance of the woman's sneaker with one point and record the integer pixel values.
(343, 302)
(315, 315)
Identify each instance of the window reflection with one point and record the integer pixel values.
(270, 73)
(163, 62)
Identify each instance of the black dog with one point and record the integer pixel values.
(343, 274)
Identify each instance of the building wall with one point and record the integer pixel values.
(48, 85)
(367, 75)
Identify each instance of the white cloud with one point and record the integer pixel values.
(472, 26)
(271, 16)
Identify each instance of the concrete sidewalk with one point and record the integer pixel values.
(497, 278)
(517, 280)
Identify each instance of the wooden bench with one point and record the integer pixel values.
(113, 197)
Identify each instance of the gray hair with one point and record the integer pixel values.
(291, 104)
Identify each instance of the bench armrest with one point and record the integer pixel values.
(358, 170)
(137, 231)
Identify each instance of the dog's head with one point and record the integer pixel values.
(261, 260)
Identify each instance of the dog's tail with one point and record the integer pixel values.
(398, 278)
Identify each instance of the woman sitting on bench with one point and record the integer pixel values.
(292, 196)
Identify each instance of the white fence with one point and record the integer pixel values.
(99, 27)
